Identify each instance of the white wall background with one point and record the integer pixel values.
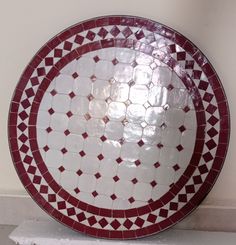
(26, 25)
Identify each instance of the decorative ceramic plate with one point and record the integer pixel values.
(119, 127)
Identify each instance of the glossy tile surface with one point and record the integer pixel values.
(119, 127)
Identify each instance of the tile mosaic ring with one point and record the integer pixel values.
(118, 127)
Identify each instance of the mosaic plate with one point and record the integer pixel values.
(119, 127)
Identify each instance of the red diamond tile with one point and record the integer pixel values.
(22, 127)
(72, 95)
(51, 111)
(203, 85)
(116, 178)
(92, 220)
(90, 97)
(34, 81)
(113, 196)
(87, 116)
(212, 132)
(28, 159)
(179, 147)
(81, 217)
(134, 64)
(127, 32)
(203, 169)
(61, 169)
(103, 138)
(181, 56)
(176, 167)
(25, 103)
(37, 179)
(82, 153)
(189, 64)
(102, 32)
(90, 35)
(211, 108)
(127, 224)
(152, 218)
(79, 39)
(48, 61)
(115, 61)
(170, 87)
(67, 46)
(213, 120)
(115, 31)
(46, 148)
(24, 148)
(61, 205)
(71, 211)
(141, 143)
(197, 180)
(23, 115)
(85, 135)
(49, 129)
(207, 157)
(139, 34)
(131, 200)
(173, 206)
(30, 92)
(52, 198)
(153, 183)
(186, 109)
(211, 144)
(182, 198)
(134, 181)
(157, 165)
(31, 170)
(190, 189)
(106, 119)
(43, 189)
(196, 74)
(208, 97)
(76, 190)
(57, 53)
(64, 150)
(97, 175)
(163, 213)
(115, 224)
(94, 193)
(69, 114)
(23, 138)
(100, 157)
(75, 75)
(103, 222)
(66, 132)
(137, 162)
(79, 172)
(41, 71)
(139, 222)
(119, 160)
(182, 128)
(150, 200)
(53, 92)
(96, 58)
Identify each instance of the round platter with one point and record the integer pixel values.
(118, 127)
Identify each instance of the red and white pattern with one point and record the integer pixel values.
(119, 127)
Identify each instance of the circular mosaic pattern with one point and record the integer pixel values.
(119, 127)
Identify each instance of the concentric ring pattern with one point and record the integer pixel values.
(118, 127)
